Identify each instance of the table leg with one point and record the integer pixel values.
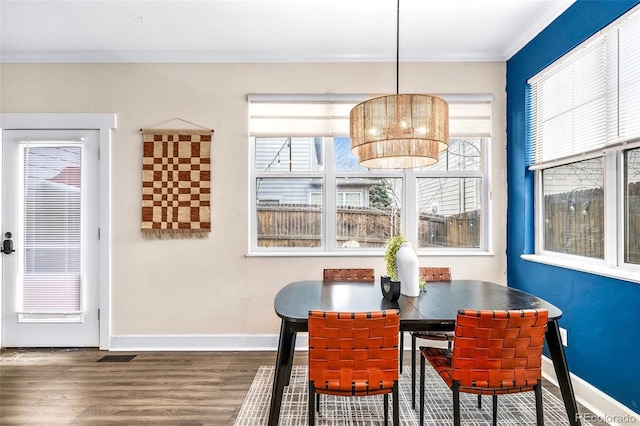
(413, 372)
(284, 360)
(554, 342)
(401, 349)
(291, 355)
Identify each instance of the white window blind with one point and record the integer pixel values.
(629, 114)
(588, 99)
(50, 230)
(328, 115)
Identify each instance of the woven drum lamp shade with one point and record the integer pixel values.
(399, 131)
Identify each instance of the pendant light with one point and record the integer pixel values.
(399, 131)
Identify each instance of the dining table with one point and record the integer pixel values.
(434, 309)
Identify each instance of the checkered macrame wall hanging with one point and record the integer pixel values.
(176, 183)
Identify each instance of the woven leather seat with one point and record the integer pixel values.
(494, 353)
(349, 274)
(354, 354)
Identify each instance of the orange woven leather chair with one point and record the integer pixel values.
(347, 274)
(350, 274)
(429, 275)
(354, 354)
(494, 353)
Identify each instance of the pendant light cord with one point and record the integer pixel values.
(398, 49)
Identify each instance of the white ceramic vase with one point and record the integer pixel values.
(408, 274)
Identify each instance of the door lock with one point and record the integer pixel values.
(7, 245)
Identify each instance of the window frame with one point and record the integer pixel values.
(622, 211)
(409, 214)
(485, 198)
(611, 150)
(540, 213)
(72, 279)
(613, 265)
(326, 116)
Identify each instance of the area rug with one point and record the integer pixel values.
(516, 409)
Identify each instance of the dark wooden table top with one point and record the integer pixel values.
(435, 308)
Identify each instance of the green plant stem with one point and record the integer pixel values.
(392, 247)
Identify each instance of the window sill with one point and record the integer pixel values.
(443, 253)
(603, 270)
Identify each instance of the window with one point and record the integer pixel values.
(583, 119)
(450, 195)
(312, 196)
(573, 205)
(50, 205)
(348, 199)
(632, 206)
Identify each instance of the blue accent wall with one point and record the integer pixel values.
(602, 315)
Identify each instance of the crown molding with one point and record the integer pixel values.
(539, 23)
(231, 57)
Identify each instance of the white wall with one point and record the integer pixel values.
(209, 286)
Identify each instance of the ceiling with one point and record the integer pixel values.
(269, 30)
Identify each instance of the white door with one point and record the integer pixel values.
(50, 217)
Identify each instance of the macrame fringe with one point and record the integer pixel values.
(168, 234)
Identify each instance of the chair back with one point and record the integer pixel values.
(353, 353)
(349, 274)
(498, 349)
(435, 274)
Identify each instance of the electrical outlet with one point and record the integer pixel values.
(563, 336)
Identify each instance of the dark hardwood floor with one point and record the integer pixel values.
(70, 386)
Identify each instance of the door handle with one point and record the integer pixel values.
(7, 245)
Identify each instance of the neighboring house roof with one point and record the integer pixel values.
(68, 176)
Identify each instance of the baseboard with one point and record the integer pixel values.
(605, 408)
